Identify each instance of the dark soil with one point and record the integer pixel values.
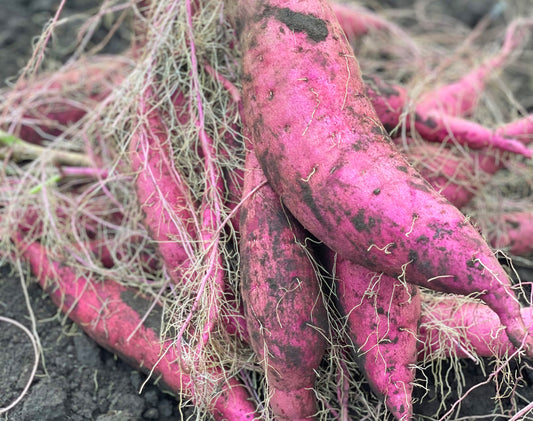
(76, 379)
(80, 381)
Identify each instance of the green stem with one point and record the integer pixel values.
(19, 150)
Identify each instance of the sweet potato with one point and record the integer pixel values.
(326, 154)
(357, 21)
(112, 316)
(461, 97)
(170, 212)
(285, 316)
(383, 316)
(463, 329)
(47, 106)
(515, 233)
(390, 102)
(164, 199)
(457, 178)
(521, 129)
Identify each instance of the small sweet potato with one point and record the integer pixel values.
(452, 327)
(383, 316)
(284, 312)
(112, 315)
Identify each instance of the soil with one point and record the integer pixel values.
(76, 379)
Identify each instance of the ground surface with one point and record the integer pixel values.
(79, 380)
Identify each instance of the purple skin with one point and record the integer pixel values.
(383, 316)
(325, 152)
(113, 316)
(284, 312)
(479, 328)
(433, 124)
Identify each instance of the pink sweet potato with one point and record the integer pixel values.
(461, 97)
(389, 101)
(521, 129)
(357, 21)
(112, 316)
(161, 192)
(285, 316)
(47, 106)
(324, 151)
(171, 216)
(515, 233)
(383, 316)
(457, 178)
(463, 329)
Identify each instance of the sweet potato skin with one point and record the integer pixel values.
(521, 129)
(479, 330)
(454, 177)
(285, 316)
(163, 199)
(326, 154)
(389, 101)
(112, 315)
(517, 230)
(382, 316)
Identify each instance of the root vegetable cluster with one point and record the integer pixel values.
(231, 207)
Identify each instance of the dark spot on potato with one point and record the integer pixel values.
(429, 122)
(439, 231)
(309, 200)
(256, 337)
(413, 255)
(380, 131)
(420, 186)
(380, 310)
(513, 224)
(315, 28)
(422, 240)
(402, 168)
(360, 144)
(474, 264)
(376, 191)
(359, 223)
(292, 355)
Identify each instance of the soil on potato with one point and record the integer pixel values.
(76, 379)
